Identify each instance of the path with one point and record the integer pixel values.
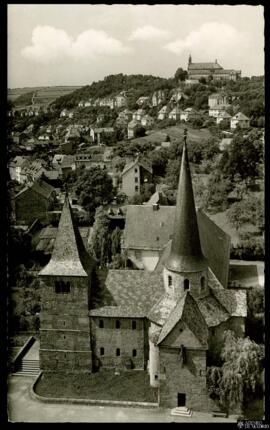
(21, 408)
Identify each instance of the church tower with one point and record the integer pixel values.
(64, 320)
(189, 59)
(186, 267)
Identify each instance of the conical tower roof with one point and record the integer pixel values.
(186, 254)
(69, 257)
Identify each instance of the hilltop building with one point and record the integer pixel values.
(169, 321)
(205, 70)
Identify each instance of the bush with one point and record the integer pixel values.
(250, 249)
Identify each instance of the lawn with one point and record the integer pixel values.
(103, 385)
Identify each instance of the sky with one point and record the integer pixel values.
(72, 44)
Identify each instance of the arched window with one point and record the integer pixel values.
(169, 280)
(186, 284)
(203, 283)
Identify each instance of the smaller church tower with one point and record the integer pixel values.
(186, 268)
(189, 59)
(64, 319)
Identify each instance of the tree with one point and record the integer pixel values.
(99, 246)
(247, 211)
(180, 74)
(93, 188)
(243, 157)
(234, 383)
(116, 241)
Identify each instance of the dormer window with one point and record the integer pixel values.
(186, 284)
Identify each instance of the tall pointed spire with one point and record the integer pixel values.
(69, 257)
(186, 254)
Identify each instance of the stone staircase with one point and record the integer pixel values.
(28, 368)
(181, 411)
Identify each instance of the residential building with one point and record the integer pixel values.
(175, 113)
(121, 100)
(34, 202)
(138, 114)
(188, 114)
(158, 97)
(223, 116)
(217, 100)
(240, 120)
(147, 121)
(163, 113)
(96, 133)
(135, 175)
(143, 101)
(133, 126)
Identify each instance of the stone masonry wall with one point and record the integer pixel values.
(65, 327)
(125, 338)
(188, 378)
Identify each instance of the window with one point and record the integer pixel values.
(156, 377)
(62, 287)
(117, 324)
(203, 283)
(136, 188)
(136, 179)
(134, 353)
(135, 170)
(117, 352)
(186, 284)
(169, 280)
(101, 351)
(134, 325)
(101, 324)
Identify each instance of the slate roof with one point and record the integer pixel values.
(139, 162)
(199, 66)
(240, 116)
(186, 253)
(147, 228)
(187, 310)
(69, 257)
(46, 239)
(40, 187)
(161, 309)
(127, 293)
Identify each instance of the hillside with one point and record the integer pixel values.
(42, 94)
(134, 85)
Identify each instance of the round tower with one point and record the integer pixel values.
(186, 268)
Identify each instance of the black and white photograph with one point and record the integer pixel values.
(135, 139)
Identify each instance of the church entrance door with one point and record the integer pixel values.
(181, 399)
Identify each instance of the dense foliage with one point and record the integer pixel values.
(239, 377)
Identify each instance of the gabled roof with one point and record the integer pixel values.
(139, 162)
(240, 116)
(188, 311)
(69, 257)
(199, 66)
(127, 293)
(40, 187)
